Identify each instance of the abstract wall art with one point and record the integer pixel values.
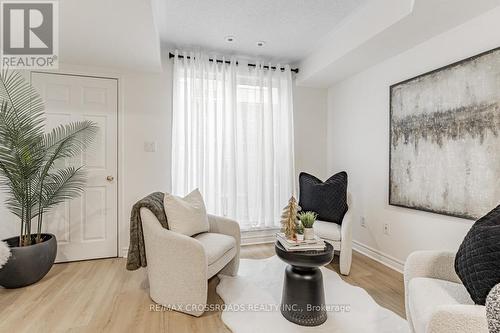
(445, 139)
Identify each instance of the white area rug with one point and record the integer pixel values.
(259, 284)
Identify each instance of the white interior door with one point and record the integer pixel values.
(86, 227)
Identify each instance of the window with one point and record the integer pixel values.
(233, 138)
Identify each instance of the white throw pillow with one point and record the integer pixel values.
(188, 215)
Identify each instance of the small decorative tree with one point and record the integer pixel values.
(289, 218)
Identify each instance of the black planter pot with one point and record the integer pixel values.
(28, 264)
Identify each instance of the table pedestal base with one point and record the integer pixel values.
(303, 298)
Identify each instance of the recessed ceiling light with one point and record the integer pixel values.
(261, 43)
(229, 39)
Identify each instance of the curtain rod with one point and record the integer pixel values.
(295, 70)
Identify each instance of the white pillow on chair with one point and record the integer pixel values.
(188, 215)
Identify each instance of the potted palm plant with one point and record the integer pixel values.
(307, 219)
(31, 177)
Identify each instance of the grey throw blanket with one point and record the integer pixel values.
(136, 252)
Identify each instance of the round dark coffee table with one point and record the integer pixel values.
(303, 297)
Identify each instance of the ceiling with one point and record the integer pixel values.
(381, 30)
(109, 33)
(290, 28)
(328, 40)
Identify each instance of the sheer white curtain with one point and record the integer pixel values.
(233, 138)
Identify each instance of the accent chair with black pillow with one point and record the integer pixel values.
(477, 262)
(446, 291)
(331, 201)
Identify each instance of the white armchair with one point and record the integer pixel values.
(436, 300)
(180, 266)
(340, 236)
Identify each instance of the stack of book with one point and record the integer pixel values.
(317, 244)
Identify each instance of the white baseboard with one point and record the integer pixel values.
(379, 256)
(124, 252)
(253, 237)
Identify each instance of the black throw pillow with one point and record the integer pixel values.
(477, 262)
(328, 199)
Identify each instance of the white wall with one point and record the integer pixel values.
(310, 114)
(358, 142)
(147, 117)
(145, 114)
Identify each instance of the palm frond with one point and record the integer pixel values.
(21, 125)
(28, 172)
(70, 139)
(24, 106)
(21, 95)
(65, 184)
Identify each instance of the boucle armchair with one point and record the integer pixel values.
(340, 236)
(436, 300)
(179, 266)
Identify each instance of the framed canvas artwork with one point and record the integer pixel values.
(445, 139)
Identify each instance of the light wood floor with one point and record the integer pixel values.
(101, 296)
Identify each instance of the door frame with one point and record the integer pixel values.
(101, 73)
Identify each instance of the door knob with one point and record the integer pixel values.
(110, 178)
